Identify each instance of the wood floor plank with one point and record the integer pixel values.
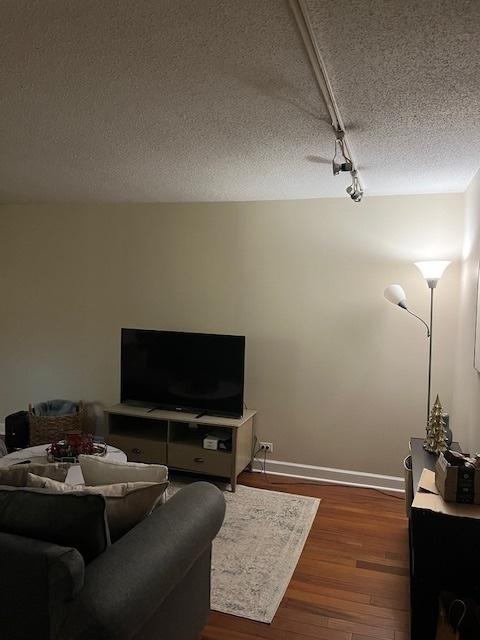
(312, 587)
(356, 610)
(377, 576)
(385, 568)
(356, 584)
(392, 603)
(349, 557)
(283, 629)
(360, 585)
(351, 582)
(379, 633)
(299, 615)
(398, 555)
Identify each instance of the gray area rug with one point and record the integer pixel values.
(257, 549)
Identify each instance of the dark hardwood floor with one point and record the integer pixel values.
(351, 582)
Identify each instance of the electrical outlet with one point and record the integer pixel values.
(266, 446)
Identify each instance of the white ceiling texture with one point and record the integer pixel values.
(199, 100)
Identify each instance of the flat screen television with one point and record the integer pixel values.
(194, 372)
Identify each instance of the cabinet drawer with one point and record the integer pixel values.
(194, 458)
(140, 449)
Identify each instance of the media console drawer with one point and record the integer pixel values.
(195, 458)
(140, 449)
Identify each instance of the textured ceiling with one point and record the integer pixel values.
(186, 100)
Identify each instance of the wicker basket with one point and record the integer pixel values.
(48, 429)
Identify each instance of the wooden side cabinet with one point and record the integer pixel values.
(176, 439)
(443, 552)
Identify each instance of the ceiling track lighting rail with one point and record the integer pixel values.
(343, 158)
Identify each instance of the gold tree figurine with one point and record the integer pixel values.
(436, 438)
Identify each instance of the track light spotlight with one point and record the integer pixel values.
(343, 158)
(341, 162)
(355, 190)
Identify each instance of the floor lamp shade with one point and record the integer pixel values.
(395, 294)
(432, 270)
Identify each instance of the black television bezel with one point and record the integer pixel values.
(183, 408)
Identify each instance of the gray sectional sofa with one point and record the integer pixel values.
(152, 584)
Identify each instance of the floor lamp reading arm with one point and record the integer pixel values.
(421, 320)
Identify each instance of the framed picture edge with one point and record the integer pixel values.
(476, 342)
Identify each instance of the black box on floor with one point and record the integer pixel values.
(17, 431)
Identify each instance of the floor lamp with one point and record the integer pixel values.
(432, 271)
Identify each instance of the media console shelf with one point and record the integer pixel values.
(175, 439)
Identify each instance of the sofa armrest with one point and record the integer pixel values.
(37, 575)
(125, 584)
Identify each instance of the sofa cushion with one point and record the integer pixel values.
(100, 471)
(16, 475)
(127, 503)
(70, 520)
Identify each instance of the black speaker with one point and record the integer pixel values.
(17, 431)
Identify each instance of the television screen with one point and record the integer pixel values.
(195, 372)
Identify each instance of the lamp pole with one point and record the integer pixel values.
(403, 305)
(432, 285)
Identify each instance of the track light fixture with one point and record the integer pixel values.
(341, 161)
(355, 190)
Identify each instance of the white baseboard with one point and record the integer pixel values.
(332, 476)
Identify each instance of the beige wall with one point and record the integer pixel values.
(337, 374)
(466, 423)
